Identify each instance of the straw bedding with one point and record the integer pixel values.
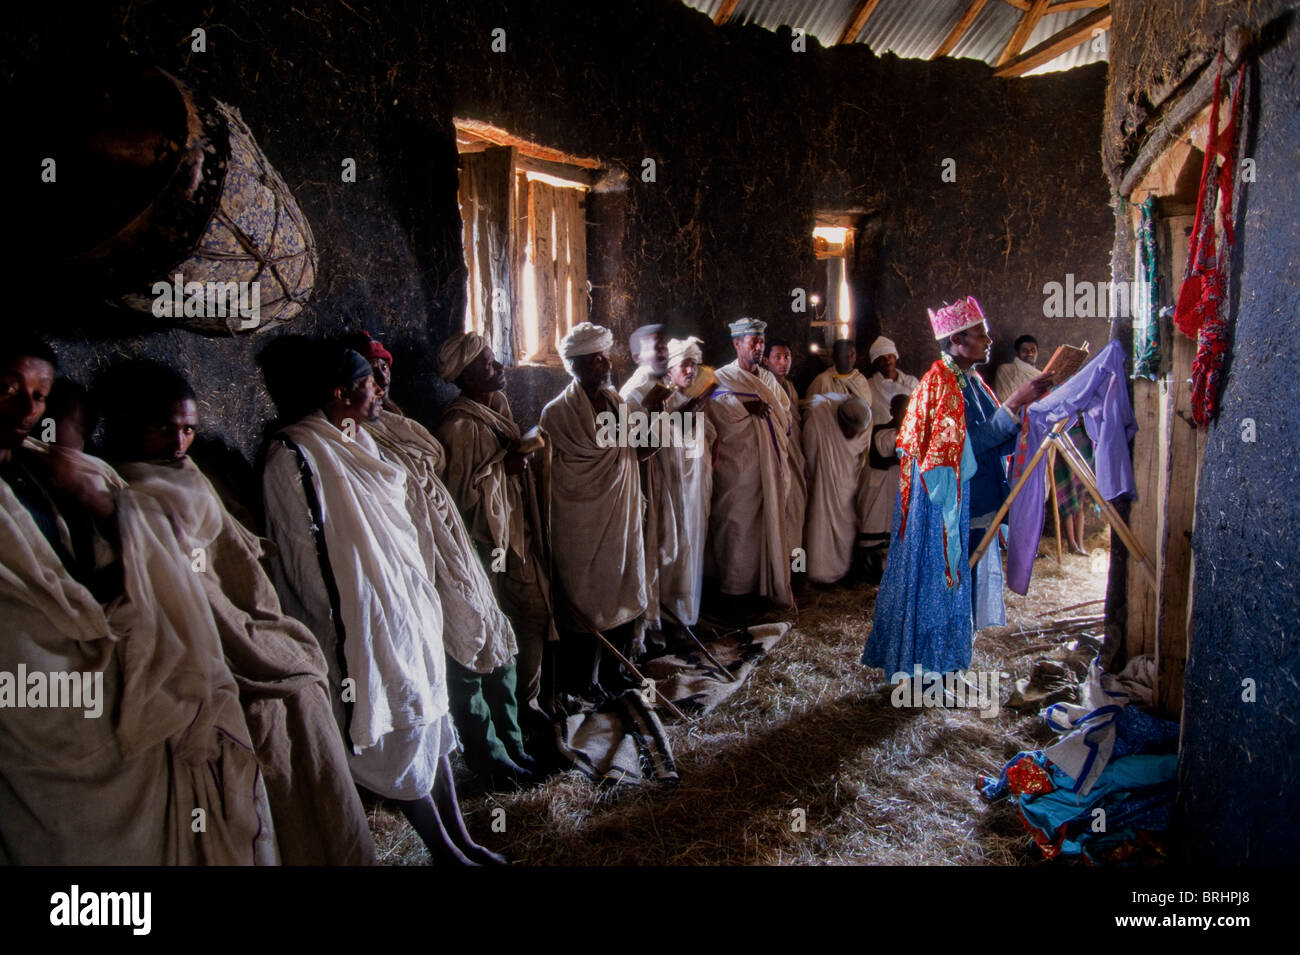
(807, 764)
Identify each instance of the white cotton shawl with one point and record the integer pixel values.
(751, 479)
(391, 615)
(475, 632)
(876, 502)
(683, 488)
(885, 390)
(120, 788)
(834, 470)
(596, 514)
(831, 382)
(1012, 375)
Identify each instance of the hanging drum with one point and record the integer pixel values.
(180, 215)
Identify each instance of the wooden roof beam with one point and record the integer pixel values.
(1077, 32)
(1018, 4)
(1022, 31)
(725, 11)
(859, 20)
(1065, 6)
(959, 31)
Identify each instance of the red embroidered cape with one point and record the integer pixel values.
(933, 435)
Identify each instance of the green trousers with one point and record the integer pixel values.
(486, 713)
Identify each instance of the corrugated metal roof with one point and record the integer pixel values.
(915, 28)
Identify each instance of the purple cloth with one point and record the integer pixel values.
(1099, 393)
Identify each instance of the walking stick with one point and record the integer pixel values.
(727, 674)
(1006, 505)
(582, 619)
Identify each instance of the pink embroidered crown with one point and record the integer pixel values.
(954, 318)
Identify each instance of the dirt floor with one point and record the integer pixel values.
(809, 763)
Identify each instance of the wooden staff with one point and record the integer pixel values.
(727, 674)
(1006, 505)
(582, 619)
(1080, 466)
(1056, 500)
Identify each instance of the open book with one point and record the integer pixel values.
(1066, 360)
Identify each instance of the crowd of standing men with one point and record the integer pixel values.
(417, 591)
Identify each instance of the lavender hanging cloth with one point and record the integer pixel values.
(1099, 393)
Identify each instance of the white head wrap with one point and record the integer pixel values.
(882, 346)
(680, 349)
(585, 339)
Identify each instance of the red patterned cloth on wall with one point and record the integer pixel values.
(1201, 311)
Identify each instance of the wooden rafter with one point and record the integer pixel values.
(1018, 4)
(1065, 6)
(1077, 32)
(1022, 31)
(725, 11)
(471, 131)
(959, 31)
(859, 20)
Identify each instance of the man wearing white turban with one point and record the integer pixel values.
(876, 494)
(597, 544)
(888, 382)
(749, 547)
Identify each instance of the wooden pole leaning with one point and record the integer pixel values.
(1006, 505)
(1056, 500)
(1080, 467)
(726, 674)
(578, 615)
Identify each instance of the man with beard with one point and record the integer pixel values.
(889, 381)
(596, 516)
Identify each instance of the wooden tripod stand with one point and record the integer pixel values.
(1060, 441)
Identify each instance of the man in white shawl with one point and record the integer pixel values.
(480, 642)
(778, 358)
(597, 542)
(151, 421)
(882, 459)
(645, 392)
(749, 549)
(1020, 370)
(501, 491)
(836, 432)
(889, 381)
(130, 747)
(842, 378)
(649, 348)
(684, 485)
(352, 566)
